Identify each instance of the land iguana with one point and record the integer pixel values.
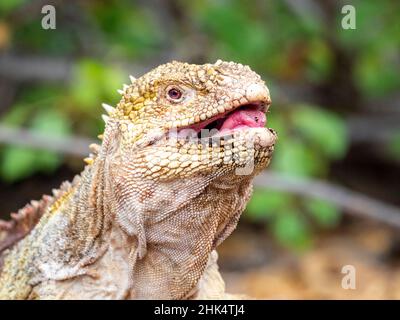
(166, 186)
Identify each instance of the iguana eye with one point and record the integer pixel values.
(174, 94)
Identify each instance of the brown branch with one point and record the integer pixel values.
(346, 199)
(32, 68)
(76, 146)
(50, 69)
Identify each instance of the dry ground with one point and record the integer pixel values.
(253, 265)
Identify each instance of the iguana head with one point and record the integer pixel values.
(179, 153)
(165, 188)
(180, 119)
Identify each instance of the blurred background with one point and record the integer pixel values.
(331, 196)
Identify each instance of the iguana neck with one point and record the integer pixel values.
(166, 259)
(91, 241)
(179, 246)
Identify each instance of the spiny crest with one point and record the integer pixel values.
(143, 91)
(144, 94)
(111, 110)
(23, 221)
(95, 149)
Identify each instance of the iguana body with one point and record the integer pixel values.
(143, 219)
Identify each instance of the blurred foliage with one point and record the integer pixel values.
(94, 82)
(7, 6)
(394, 145)
(20, 162)
(273, 37)
(310, 137)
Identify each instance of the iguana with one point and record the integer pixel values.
(166, 186)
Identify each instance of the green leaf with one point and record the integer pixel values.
(94, 84)
(53, 123)
(47, 161)
(229, 25)
(17, 115)
(17, 163)
(322, 128)
(86, 87)
(394, 145)
(293, 157)
(9, 5)
(292, 230)
(130, 30)
(375, 74)
(320, 61)
(266, 203)
(111, 81)
(324, 213)
(20, 162)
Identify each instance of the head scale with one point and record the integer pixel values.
(177, 96)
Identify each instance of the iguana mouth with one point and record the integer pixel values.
(245, 116)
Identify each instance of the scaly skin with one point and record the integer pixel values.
(143, 219)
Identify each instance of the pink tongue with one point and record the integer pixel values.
(244, 118)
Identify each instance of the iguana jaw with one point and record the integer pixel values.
(245, 116)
